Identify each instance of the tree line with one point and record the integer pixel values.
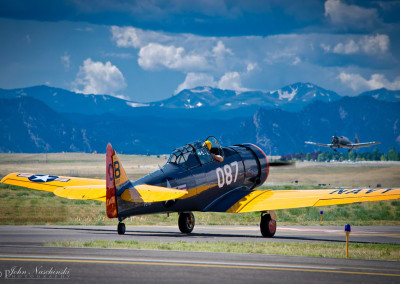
(319, 156)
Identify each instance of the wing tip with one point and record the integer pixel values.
(4, 179)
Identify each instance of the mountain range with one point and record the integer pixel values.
(46, 119)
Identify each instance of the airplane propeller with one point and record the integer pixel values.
(278, 163)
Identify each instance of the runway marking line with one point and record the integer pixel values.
(178, 251)
(192, 265)
(335, 231)
(177, 261)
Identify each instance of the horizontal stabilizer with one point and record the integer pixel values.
(96, 192)
(151, 193)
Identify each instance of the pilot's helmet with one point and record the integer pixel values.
(208, 144)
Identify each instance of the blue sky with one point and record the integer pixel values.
(150, 50)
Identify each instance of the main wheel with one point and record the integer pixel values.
(121, 228)
(186, 222)
(267, 226)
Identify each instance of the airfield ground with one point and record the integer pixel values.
(26, 206)
(55, 226)
(306, 173)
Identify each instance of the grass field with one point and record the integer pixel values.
(25, 206)
(21, 206)
(336, 250)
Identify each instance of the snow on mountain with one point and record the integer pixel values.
(136, 104)
(286, 95)
(292, 97)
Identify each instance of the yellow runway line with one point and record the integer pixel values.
(195, 265)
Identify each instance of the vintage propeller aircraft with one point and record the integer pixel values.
(201, 176)
(344, 142)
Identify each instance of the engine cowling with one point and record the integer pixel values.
(255, 163)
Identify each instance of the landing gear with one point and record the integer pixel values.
(267, 226)
(186, 222)
(121, 228)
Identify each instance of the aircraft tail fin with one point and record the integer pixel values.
(115, 178)
(357, 139)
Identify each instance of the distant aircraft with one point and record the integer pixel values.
(200, 176)
(344, 142)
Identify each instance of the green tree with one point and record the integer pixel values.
(352, 156)
(393, 155)
(376, 155)
(321, 157)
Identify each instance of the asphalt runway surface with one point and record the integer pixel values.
(23, 256)
(40, 234)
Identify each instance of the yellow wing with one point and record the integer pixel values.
(86, 188)
(67, 187)
(263, 200)
(48, 182)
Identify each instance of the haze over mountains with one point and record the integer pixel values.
(46, 119)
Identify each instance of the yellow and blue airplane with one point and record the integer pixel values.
(200, 176)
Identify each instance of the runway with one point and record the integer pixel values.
(23, 256)
(145, 266)
(40, 234)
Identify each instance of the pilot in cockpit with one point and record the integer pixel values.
(213, 151)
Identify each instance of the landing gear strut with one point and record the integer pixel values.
(267, 226)
(121, 228)
(186, 222)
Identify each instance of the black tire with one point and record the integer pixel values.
(121, 228)
(186, 222)
(267, 226)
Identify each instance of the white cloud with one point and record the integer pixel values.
(375, 44)
(126, 36)
(346, 48)
(137, 38)
(377, 81)
(212, 60)
(220, 50)
(326, 47)
(251, 67)
(156, 56)
(350, 16)
(66, 61)
(182, 52)
(231, 81)
(366, 44)
(99, 78)
(193, 80)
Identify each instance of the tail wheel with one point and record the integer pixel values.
(267, 226)
(186, 222)
(121, 228)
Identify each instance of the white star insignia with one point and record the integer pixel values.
(42, 178)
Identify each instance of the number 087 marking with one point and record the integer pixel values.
(225, 175)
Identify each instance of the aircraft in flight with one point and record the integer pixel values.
(200, 176)
(344, 142)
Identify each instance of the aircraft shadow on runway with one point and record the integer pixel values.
(174, 235)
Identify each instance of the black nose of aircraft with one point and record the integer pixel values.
(334, 140)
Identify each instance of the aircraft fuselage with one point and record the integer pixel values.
(214, 186)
